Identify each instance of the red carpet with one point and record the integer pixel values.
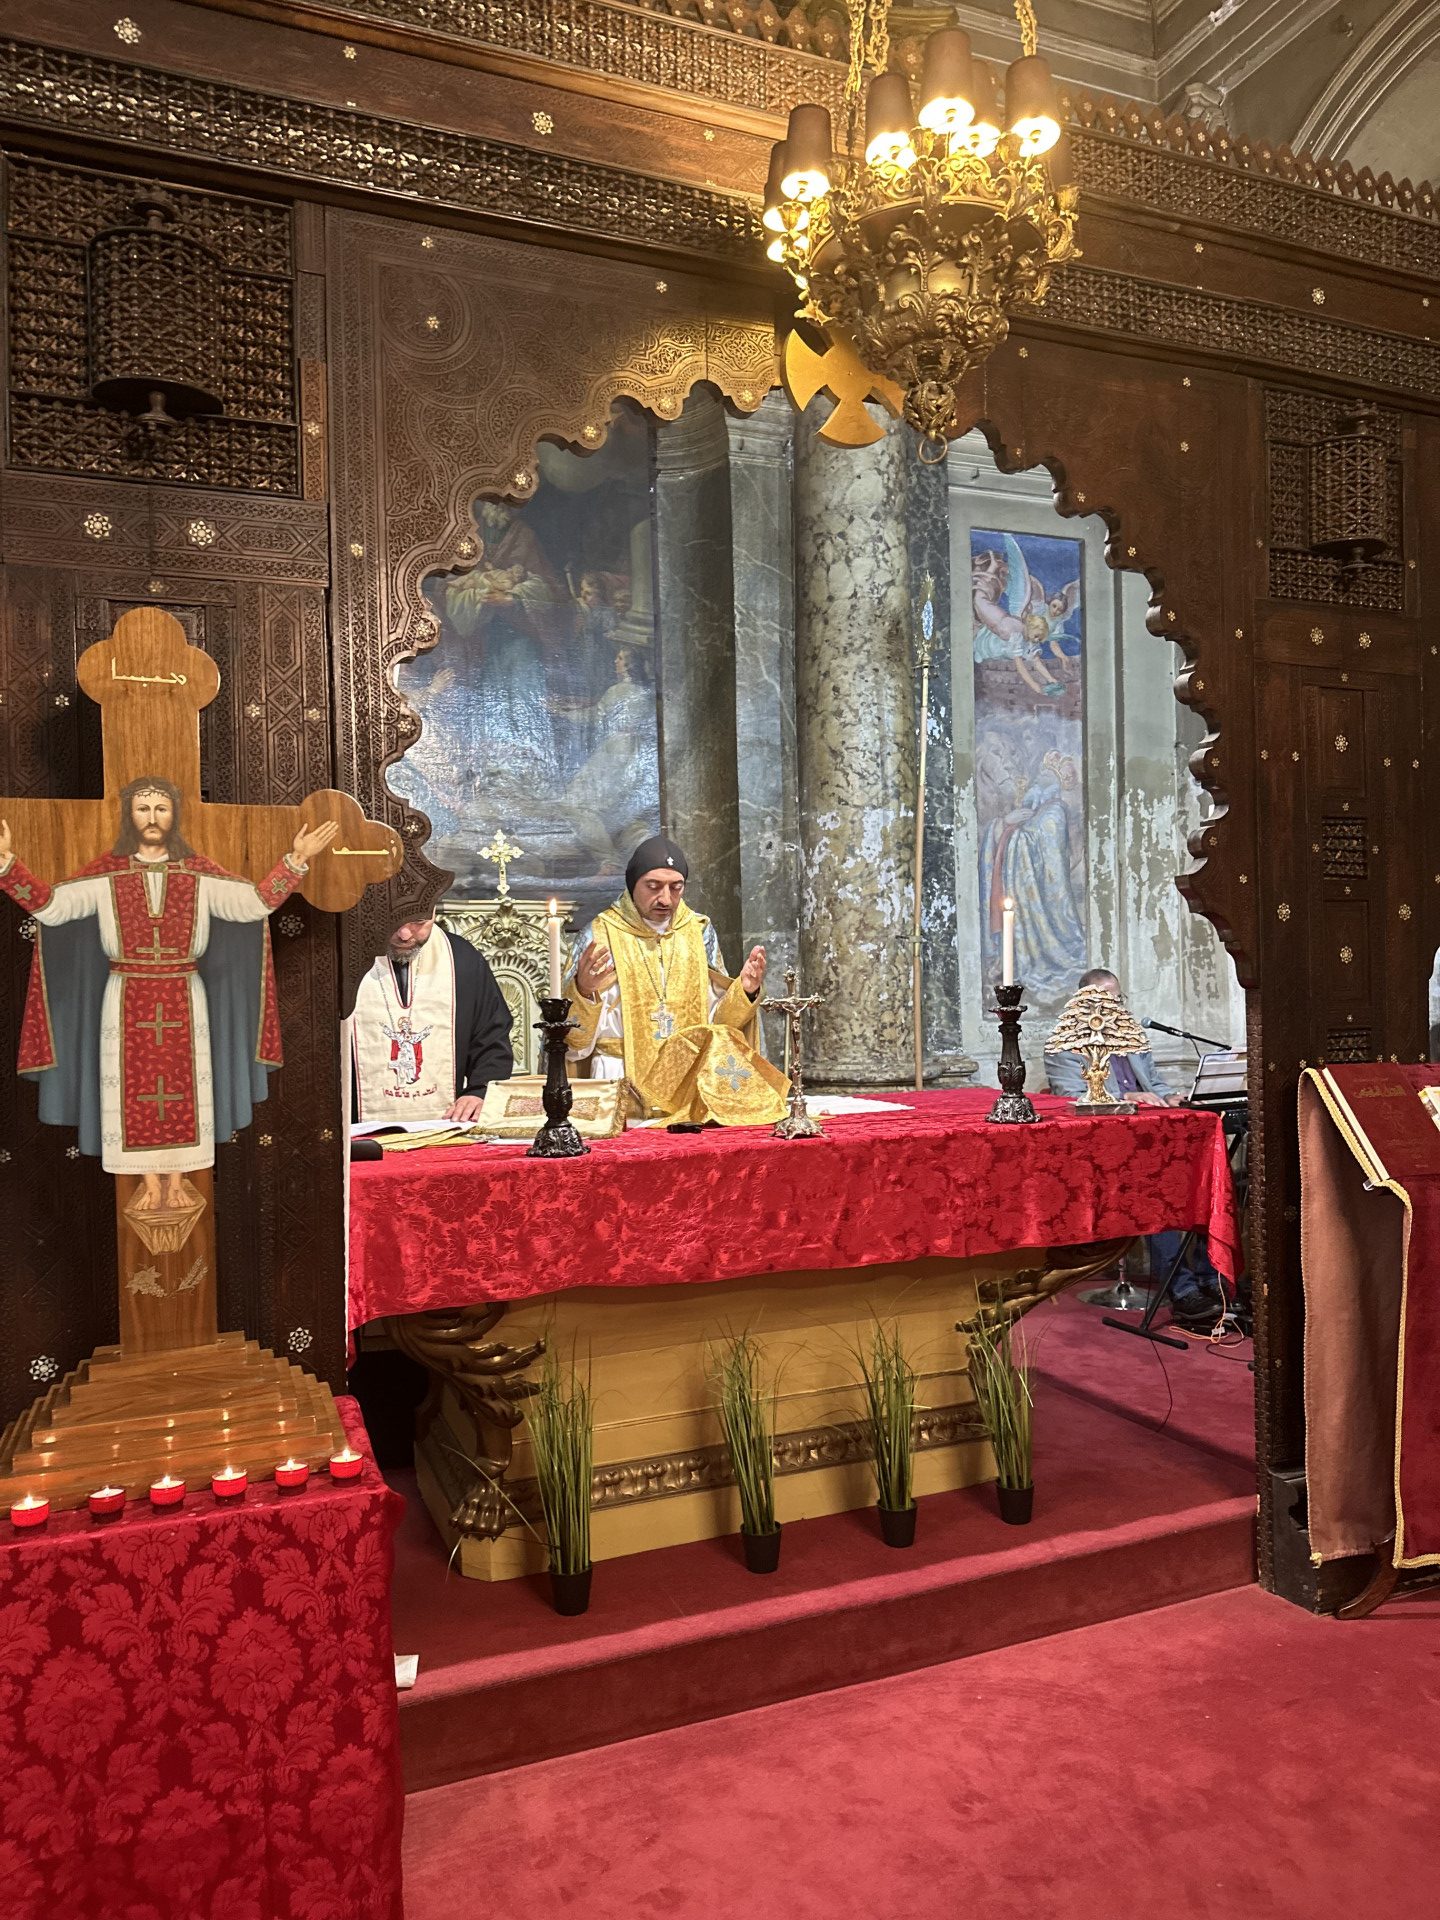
(1126, 1519)
(1205, 1395)
(1231, 1758)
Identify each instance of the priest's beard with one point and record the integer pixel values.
(403, 954)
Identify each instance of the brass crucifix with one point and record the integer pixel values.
(797, 1124)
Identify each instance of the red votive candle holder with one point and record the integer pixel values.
(32, 1511)
(167, 1492)
(106, 1502)
(230, 1483)
(291, 1475)
(346, 1464)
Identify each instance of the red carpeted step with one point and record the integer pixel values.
(1231, 1758)
(1126, 1519)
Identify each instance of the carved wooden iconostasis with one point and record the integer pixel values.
(415, 342)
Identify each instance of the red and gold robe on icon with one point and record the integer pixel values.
(151, 1022)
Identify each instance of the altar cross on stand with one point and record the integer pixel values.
(176, 1395)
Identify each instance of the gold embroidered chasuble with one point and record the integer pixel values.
(682, 1061)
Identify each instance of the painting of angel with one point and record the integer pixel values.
(1020, 615)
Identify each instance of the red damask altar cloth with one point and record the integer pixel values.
(449, 1225)
(198, 1714)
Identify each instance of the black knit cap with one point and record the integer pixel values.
(651, 854)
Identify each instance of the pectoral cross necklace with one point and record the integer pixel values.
(662, 1020)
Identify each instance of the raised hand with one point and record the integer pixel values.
(594, 970)
(752, 974)
(6, 844)
(312, 840)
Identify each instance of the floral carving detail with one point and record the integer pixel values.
(99, 526)
(126, 30)
(1403, 910)
(44, 1367)
(1342, 745)
(300, 1339)
(201, 533)
(1347, 954)
(1282, 912)
(542, 122)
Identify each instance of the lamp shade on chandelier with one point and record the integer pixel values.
(918, 246)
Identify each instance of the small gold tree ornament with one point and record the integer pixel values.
(1097, 1026)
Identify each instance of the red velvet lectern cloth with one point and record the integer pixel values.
(197, 1713)
(1371, 1268)
(441, 1227)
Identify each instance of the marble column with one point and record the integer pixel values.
(856, 723)
(696, 626)
(763, 564)
(928, 532)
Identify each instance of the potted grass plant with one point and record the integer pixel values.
(889, 1382)
(562, 1445)
(747, 1422)
(1001, 1381)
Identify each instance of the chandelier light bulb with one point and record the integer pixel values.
(1031, 104)
(808, 153)
(947, 82)
(772, 218)
(889, 118)
(982, 136)
(1060, 164)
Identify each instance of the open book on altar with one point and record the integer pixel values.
(1369, 1138)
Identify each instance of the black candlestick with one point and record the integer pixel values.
(557, 1139)
(1013, 1108)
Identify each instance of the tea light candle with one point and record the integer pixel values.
(229, 1483)
(291, 1474)
(346, 1464)
(1007, 944)
(106, 1502)
(167, 1491)
(32, 1511)
(552, 931)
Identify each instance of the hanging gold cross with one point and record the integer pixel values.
(500, 853)
(159, 1026)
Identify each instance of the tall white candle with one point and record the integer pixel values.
(1007, 944)
(552, 928)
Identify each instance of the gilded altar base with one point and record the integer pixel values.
(661, 1473)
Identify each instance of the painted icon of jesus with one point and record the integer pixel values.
(151, 1023)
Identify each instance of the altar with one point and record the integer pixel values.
(640, 1256)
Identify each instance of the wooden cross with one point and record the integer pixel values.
(500, 853)
(176, 1395)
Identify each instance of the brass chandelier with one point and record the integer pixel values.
(918, 251)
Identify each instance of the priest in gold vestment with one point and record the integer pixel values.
(654, 1005)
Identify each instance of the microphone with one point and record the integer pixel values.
(1180, 1033)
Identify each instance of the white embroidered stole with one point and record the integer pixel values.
(404, 1049)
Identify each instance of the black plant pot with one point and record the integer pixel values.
(897, 1524)
(570, 1592)
(762, 1551)
(1017, 1504)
